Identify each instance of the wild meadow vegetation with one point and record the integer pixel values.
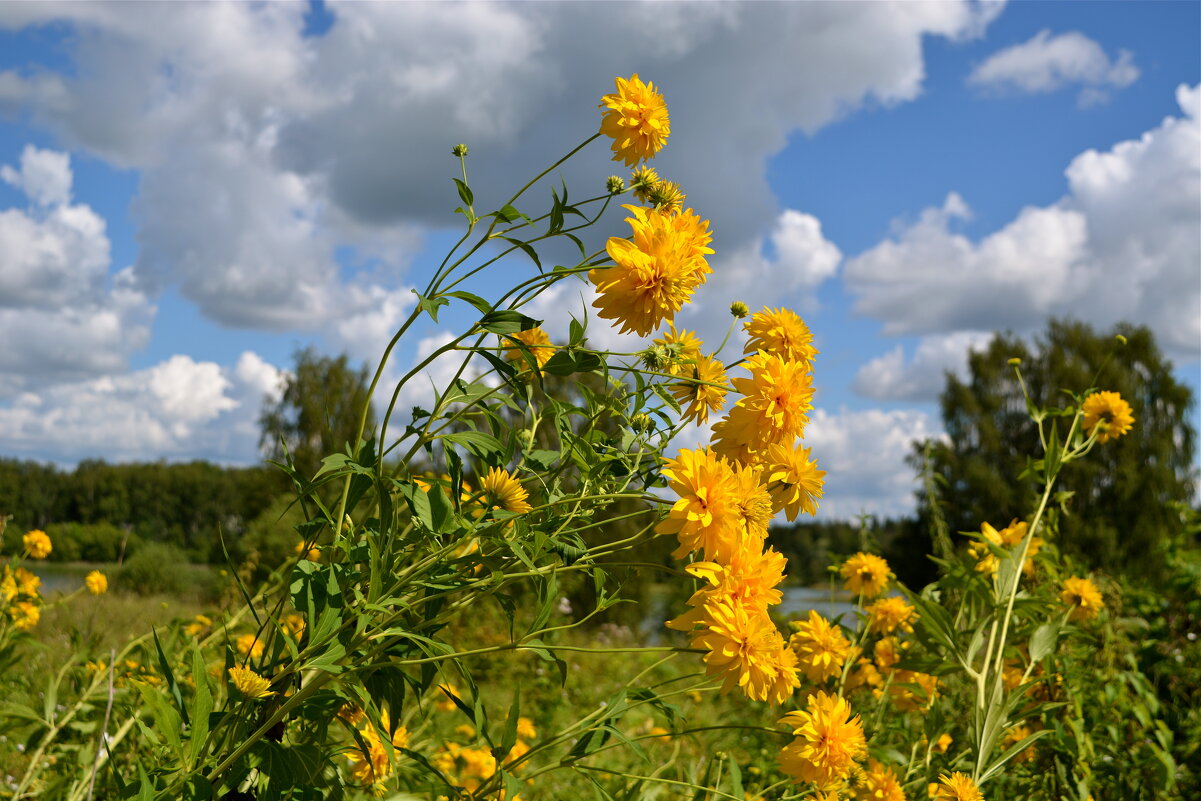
(455, 609)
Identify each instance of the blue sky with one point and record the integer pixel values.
(220, 185)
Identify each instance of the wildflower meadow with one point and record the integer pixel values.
(441, 624)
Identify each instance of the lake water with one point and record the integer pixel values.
(64, 577)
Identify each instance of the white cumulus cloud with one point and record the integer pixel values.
(1046, 63)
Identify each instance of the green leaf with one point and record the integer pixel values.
(464, 192)
(509, 738)
(430, 305)
(567, 362)
(527, 248)
(485, 446)
(1043, 640)
(202, 706)
(507, 321)
(169, 675)
(508, 214)
(475, 300)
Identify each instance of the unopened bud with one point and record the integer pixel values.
(640, 422)
(459, 151)
(1015, 362)
(615, 184)
(739, 309)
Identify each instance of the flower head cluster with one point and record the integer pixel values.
(655, 272)
(250, 684)
(371, 762)
(37, 544)
(1082, 597)
(20, 597)
(1009, 537)
(866, 574)
(534, 341)
(501, 490)
(635, 119)
(828, 739)
(955, 787)
(820, 647)
(889, 614)
(96, 582)
(879, 783)
(777, 397)
(1107, 415)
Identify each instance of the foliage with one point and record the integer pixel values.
(317, 412)
(158, 569)
(1119, 504)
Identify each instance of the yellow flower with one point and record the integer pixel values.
(956, 787)
(25, 615)
(643, 180)
(820, 647)
(655, 273)
(249, 683)
(525, 729)
(793, 480)
(774, 408)
(1083, 597)
(1106, 414)
(682, 348)
(782, 333)
(828, 740)
(864, 674)
(636, 119)
(443, 702)
(28, 583)
(889, 614)
(866, 574)
(8, 585)
(666, 196)
(373, 764)
(698, 399)
(750, 578)
(746, 650)
(879, 783)
(944, 742)
(199, 625)
(502, 491)
(1008, 537)
(707, 516)
(887, 652)
(903, 685)
(468, 767)
(537, 343)
(249, 645)
(312, 554)
(37, 544)
(1015, 736)
(96, 582)
(293, 624)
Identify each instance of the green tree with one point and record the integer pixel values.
(1120, 511)
(318, 412)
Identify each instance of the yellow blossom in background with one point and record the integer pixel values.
(1015, 736)
(1008, 537)
(682, 349)
(465, 731)
(887, 652)
(956, 787)
(293, 624)
(312, 554)
(525, 729)
(199, 626)
(944, 742)
(635, 119)
(782, 333)
(249, 645)
(373, 764)
(353, 714)
(820, 647)
(25, 615)
(538, 343)
(37, 544)
(1083, 597)
(8, 585)
(889, 614)
(27, 582)
(249, 683)
(746, 650)
(828, 740)
(902, 690)
(866, 574)
(96, 582)
(467, 767)
(793, 480)
(698, 396)
(502, 491)
(643, 180)
(655, 273)
(865, 674)
(1106, 414)
(443, 702)
(879, 783)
